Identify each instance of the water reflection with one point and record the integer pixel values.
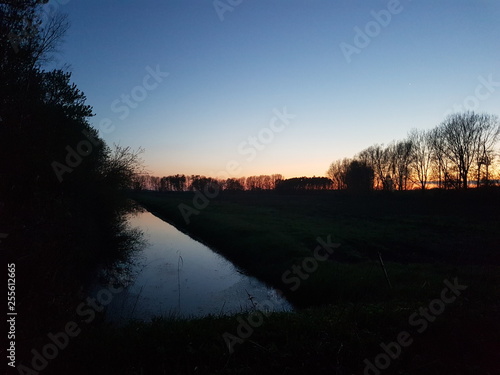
(176, 275)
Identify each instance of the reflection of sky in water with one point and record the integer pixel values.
(209, 284)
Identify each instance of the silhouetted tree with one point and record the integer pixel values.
(201, 183)
(62, 189)
(337, 173)
(262, 182)
(400, 156)
(439, 159)
(380, 159)
(489, 136)
(174, 183)
(54, 168)
(304, 183)
(421, 158)
(233, 184)
(466, 136)
(359, 177)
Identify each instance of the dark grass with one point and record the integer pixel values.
(423, 238)
(345, 308)
(329, 340)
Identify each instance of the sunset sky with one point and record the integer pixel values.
(312, 81)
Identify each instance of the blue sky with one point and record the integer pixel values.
(230, 72)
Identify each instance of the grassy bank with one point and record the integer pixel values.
(330, 340)
(346, 309)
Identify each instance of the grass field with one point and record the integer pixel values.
(345, 307)
(422, 239)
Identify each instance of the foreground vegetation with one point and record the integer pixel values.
(62, 188)
(330, 340)
(345, 307)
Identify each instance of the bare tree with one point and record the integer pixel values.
(51, 35)
(400, 154)
(26, 43)
(29, 35)
(378, 157)
(337, 173)
(465, 135)
(330, 173)
(440, 161)
(489, 135)
(123, 166)
(421, 155)
(274, 178)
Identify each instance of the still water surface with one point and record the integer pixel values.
(176, 275)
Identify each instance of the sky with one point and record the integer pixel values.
(233, 88)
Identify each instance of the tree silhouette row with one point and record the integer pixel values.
(460, 152)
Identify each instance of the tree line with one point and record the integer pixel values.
(459, 152)
(181, 182)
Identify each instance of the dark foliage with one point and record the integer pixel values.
(62, 196)
(359, 177)
(304, 183)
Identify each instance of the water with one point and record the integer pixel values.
(176, 275)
